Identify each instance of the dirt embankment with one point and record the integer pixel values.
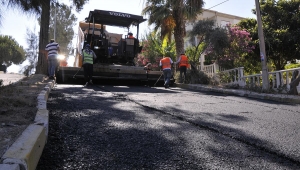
(18, 107)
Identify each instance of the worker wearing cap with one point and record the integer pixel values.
(130, 35)
(88, 61)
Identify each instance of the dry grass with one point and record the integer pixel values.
(18, 107)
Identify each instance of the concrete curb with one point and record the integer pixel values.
(244, 93)
(25, 152)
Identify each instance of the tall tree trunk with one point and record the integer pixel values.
(179, 33)
(179, 30)
(279, 63)
(42, 64)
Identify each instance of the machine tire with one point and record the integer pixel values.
(59, 80)
(59, 77)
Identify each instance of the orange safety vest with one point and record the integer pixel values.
(166, 63)
(63, 63)
(183, 61)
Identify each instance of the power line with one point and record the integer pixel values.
(217, 4)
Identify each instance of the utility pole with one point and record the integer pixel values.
(263, 57)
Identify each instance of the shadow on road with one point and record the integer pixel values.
(93, 129)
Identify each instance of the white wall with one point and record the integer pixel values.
(221, 19)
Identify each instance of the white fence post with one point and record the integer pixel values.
(242, 81)
(278, 80)
(202, 59)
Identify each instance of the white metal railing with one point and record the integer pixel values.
(233, 76)
(211, 69)
(279, 80)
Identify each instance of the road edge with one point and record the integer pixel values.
(26, 151)
(244, 93)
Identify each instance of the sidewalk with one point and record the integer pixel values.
(286, 98)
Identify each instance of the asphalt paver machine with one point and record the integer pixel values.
(115, 52)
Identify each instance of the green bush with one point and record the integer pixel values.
(290, 66)
(193, 77)
(225, 77)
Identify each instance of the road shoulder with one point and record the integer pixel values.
(27, 148)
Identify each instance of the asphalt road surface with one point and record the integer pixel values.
(137, 127)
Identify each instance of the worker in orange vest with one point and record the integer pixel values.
(183, 62)
(130, 35)
(63, 63)
(166, 64)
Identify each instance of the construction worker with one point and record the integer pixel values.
(130, 35)
(52, 51)
(166, 64)
(183, 65)
(88, 61)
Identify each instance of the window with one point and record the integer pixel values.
(224, 23)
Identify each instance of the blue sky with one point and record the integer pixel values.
(14, 23)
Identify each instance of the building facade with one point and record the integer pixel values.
(220, 19)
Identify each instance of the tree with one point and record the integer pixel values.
(44, 39)
(161, 18)
(11, 51)
(154, 49)
(229, 45)
(36, 7)
(1, 9)
(240, 45)
(31, 52)
(252, 63)
(210, 39)
(65, 20)
(179, 10)
(41, 7)
(281, 20)
(41, 67)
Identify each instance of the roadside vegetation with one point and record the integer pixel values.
(40, 8)
(235, 45)
(20, 99)
(292, 65)
(18, 109)
(11, 52)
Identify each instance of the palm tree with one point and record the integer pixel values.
(161, 12)
(40, 7)
(161, 17)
